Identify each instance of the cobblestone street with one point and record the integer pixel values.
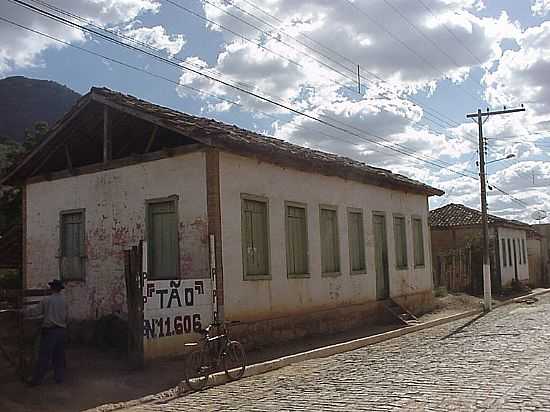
(496, 362)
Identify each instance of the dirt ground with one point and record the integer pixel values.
(95, 378)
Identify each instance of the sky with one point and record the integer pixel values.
(391, 80)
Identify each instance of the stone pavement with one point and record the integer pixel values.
(495, 362)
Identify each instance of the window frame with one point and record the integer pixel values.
(417, 218)
(83, 256)
(307, 273)
(363, 271)
(334, 209)
(265, 200)
(510, 263)
(148, 202)
(504, 255)
(400, 216)
(524, 250)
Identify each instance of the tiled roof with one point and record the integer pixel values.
(453, 215)
(230, 138)
(233, 138)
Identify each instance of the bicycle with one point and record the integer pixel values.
(207, 355)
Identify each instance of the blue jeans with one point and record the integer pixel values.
(52, 350)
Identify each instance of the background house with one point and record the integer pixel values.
(300, 241)
(535, 244)
(457, 249)
(544, 231)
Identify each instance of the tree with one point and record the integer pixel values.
(10, 154)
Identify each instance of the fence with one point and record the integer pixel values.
(454, 270)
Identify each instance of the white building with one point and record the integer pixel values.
(304, 241)
(456, 226)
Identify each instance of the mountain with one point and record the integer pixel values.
(24, 101)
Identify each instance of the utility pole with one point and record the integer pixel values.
(487, 298)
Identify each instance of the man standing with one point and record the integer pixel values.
(53, 310)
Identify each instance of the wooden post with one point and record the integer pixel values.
(107, 138)
(151, 139)
(69, 160)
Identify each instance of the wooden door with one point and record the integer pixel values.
(381, 257)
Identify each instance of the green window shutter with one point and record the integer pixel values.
(330, 253)
(524, 251)
(255, 237)
(163, 240)
(297, 247)
(356, 241)
(418, 238)
(504, 253)
(72, 245)
(400, 241)
(509, 252)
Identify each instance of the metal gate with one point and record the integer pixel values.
(454, 270)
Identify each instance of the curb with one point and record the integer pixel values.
(220, 378)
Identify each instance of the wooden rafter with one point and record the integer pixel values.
(107, 135)
(151, 139)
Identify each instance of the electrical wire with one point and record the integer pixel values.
(401, 42)
(289, 109)
(429, 9)
(428, 111)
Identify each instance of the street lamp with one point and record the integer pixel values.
(511, 155)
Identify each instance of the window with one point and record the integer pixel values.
(330, 252)
(523, 251)
(520, 259)
(162, 239)
(515, 255)
(72, 245)
(356, 241)
(255, 237)
(296, 240)
(400, 234)
(418, 239)
(509, 252)
(504, 263)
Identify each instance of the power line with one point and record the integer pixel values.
(292, 61)
(451, 32)
(228, 100)
(72, 24)
(401, 42)
(426, 109)
(513, 136)
(132, 39)
(416, 29)
(342, 129)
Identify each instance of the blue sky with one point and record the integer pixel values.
(454, 56)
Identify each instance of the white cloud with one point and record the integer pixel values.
(158, 38)
(23, 48)
(522, 75)
(540, 7)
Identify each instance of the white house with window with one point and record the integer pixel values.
(293, 241)
(456, 228)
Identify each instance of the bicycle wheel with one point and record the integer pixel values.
(234, 360)
(196, 369)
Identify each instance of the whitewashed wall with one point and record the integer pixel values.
(260, 299)
(115, 220)
(508, 272)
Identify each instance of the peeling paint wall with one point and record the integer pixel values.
(114, 203)
(251, 300)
